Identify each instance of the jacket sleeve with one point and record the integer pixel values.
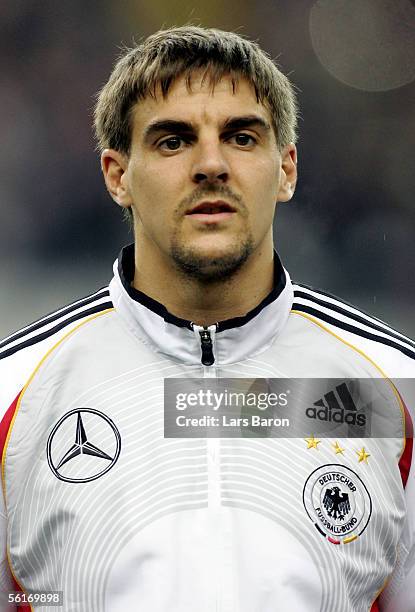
(6, 579)
(399, 592)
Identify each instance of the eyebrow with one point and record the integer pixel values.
(185, 127)
(248, 121)
(167, 125)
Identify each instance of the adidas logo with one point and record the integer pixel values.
(338, 408)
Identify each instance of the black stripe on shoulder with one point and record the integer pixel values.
(330, 295)
(56, 328)
(54, 316)
(351, 328)
(369, 322)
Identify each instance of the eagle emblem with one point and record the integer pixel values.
(336, 503)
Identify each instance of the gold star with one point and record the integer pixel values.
(363, 455)
(338, 449)
(312, 442)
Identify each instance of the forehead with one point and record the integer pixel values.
(200, 102)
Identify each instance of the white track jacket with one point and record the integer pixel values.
(98, 504)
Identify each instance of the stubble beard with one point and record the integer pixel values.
(206, 269)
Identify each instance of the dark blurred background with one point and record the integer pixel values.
(349, 230)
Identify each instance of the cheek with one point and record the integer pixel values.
(151, 185)
(264, 197)
(265, 184)
(265, 175)
(155, 201)
(145, 184)
(274, 176)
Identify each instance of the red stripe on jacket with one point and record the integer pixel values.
(4, 430)
(406, 459)
(404, 464)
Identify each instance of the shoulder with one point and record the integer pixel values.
(392, 351)
(21, 351)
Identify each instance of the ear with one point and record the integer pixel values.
(114, 165)
(288, 178)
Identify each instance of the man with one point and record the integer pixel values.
(197, 130)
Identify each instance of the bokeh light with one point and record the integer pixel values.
(367, 44)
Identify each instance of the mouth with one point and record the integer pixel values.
(211, 212)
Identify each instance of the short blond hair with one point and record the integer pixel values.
(155, 64)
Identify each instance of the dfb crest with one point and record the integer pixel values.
(338, 502)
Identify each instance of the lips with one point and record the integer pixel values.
(211, 208)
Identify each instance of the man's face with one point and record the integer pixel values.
(203, 177)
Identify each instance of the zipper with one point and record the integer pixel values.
(214, 561)
(206, 335)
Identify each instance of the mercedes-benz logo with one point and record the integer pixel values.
(72, 456)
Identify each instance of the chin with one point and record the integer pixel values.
(211, 265)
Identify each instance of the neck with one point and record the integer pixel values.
(205, 303)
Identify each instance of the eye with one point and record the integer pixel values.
(172, 143)
(243, 140)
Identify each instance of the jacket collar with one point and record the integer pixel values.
(234, 340)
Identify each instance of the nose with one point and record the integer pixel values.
(209, 164)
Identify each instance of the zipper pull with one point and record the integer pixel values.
(208, 357)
